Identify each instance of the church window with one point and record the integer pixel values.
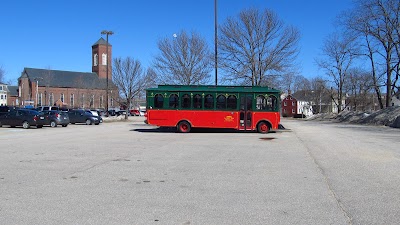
(91, 101)
(72, 100)
(95, 59)
(104, 59)
(40, 97)
(62, 97)
(82, 100)
(51, 100)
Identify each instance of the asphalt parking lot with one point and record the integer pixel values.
(133, 173)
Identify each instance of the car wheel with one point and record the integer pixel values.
(53, 124)
(88, 122)
(64, 125)
(25, 125)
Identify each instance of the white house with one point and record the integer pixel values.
(3, 94)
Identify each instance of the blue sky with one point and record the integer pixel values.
(59, 34)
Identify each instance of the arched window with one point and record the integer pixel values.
(62, 97)
(185, 101)
(261, 102)
(271, 103)
(104, 59)
(173, 101)
(40, 99)
(71, 100)
(209, 102)
(197, 101)
(221, 102)
(158, 101)
(82, 100)
(91, 103)
(232, 102)
(95, 59)
(51, 100)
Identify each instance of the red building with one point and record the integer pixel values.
(37, 87)
(289, 106)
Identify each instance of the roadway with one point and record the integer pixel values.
(132, 173)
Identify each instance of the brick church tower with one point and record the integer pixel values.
(99, 59)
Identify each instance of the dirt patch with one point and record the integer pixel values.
(389, 116)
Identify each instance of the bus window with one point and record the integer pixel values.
(173, 101)
(158, 101)
(261, 102)
(249, 102)
(185, 101)
(274, 102)
(221, 102)
(197, 100)
(209, 102)
(232, 102)
(271, 103)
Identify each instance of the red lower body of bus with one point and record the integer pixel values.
(239, 120)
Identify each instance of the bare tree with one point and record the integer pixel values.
(130, 79)
(184, 59)
(301, 83)
(377, 22)
(257, 46)
(359, 85)
(338, 54)
(319, 90)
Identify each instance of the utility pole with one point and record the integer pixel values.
(216, 42)
(106, 32)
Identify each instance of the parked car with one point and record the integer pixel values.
(22, 117)
(121, 112)
(81, 116)
(96, 113)
(47, 108)
(54, 118)
(112, 112)
(134, 112)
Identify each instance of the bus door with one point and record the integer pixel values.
(245, 113)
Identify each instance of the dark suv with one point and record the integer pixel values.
(54, 118)
(81, 116)
(22, 117)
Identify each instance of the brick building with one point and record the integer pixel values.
(289, 106)
(37, 87)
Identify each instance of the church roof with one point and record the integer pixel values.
(65, 79)
(13, 90)
(101, 41)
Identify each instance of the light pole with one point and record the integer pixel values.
(107, 32)
(216, 42)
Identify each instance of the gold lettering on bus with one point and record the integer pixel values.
(228, 119)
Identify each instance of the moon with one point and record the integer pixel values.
(174, 35)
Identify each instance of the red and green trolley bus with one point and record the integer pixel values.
(201, 106)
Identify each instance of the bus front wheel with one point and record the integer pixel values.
(184, 127)
(263, 128)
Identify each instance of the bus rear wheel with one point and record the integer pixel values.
(184, 127)
(262, 128)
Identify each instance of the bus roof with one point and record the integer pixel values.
(210, 88)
